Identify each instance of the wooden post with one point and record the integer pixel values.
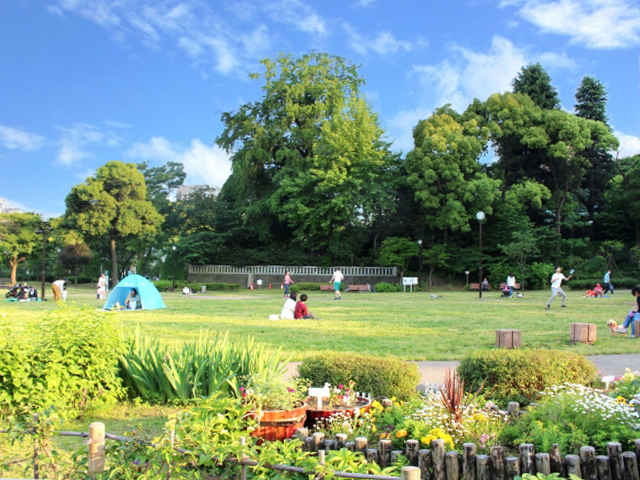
(497, 462)
(583, 333)
(614, 449)
(469, 461)
(308, 444)
(330, 444)
(96, 448)
(588, 463)
(243, 467)
(556, 460)
(437, 455)
(360, 444)
(483, 471)
(452, 466)
(542, 463)
(341, 439)
(636, 442)
(318, 439)
(302, 433)
(527, 464)
(321, 457)
(411, 448)
(508, 338)
(425, 462)
(350, 445)
(372, 455)
(604, 467)
(512, 467)
(384, 452)
(573, 465)
(410, 473)
(630, 466)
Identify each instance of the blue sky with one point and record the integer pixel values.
(88, 81)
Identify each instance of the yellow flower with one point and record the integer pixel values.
(383, 436)
(373, 428)
(620, 399)
(401, 433)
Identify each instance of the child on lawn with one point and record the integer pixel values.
(301, 308)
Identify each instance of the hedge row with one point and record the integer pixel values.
(380, 376)
(618, 282)
(518, 375)
(166, 285)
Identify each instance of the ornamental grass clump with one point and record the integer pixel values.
(574, 416)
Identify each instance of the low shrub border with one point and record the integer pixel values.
(380, 376)
(518, 375)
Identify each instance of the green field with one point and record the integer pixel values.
(410, 326)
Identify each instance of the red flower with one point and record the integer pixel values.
(291, 390)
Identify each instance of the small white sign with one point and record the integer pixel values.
(407, 281)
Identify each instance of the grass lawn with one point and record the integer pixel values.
(410, 326)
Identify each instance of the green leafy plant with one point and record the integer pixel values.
(161, 374)
(67, 360)
(518, 375)
(274, 392)
(383, 287)
(380, 376)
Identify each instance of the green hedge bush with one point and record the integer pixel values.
(518, 375)
(68, 360)
(305, 286)
(588, 283)
(166, 285)
(382, 287)
(380, 376)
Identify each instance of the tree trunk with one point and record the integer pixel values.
(114, 264)
(638, 234)
(430, 282)
(13, 264)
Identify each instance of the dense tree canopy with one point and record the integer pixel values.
(18, 238)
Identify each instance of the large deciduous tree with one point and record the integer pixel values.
(309, 154)
(112, 205)
(18, 238)
(444, 171)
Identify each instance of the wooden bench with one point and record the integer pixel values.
(5, 282)
(359, 288)
(476, 287)
(326, 288)
(503, 284)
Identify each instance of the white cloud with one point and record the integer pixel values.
(209, 164)
(597, 24)
(629, 144)
(383, 43)
(364, 3)
(467, 74)
(17, 139)
(297, 14)
(74, 140)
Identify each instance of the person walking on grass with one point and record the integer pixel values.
(287, 283)
(556, 287)
(608, 286)
(337, 279)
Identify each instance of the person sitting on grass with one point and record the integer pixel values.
(288, 308)
(133, 300)
(301, 308)
(598, 291)
(634, 314)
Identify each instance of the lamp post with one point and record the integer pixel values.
(419, 256)
(466, 274)
(173, 247)
(44, 229)
(480, 217)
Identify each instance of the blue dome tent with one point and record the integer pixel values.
(150, 298)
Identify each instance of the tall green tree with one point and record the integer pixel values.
(18, 238)
(309, 154)
(397, 252)
(445, 174)
(534, 81)
(623, 199)
(111, 205)
(591, 103)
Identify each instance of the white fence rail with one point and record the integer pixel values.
(294, 270)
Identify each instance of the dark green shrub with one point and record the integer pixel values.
(163, 285)
(380, 376)
(518, 375)
(382, 287)
(588, 283)
(305, 286)
(68, 360)
(215, 286)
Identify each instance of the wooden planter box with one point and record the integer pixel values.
(583, 333)
(280, 424)
(314, 415)
(507, 338)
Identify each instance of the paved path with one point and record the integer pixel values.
(433, 372)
